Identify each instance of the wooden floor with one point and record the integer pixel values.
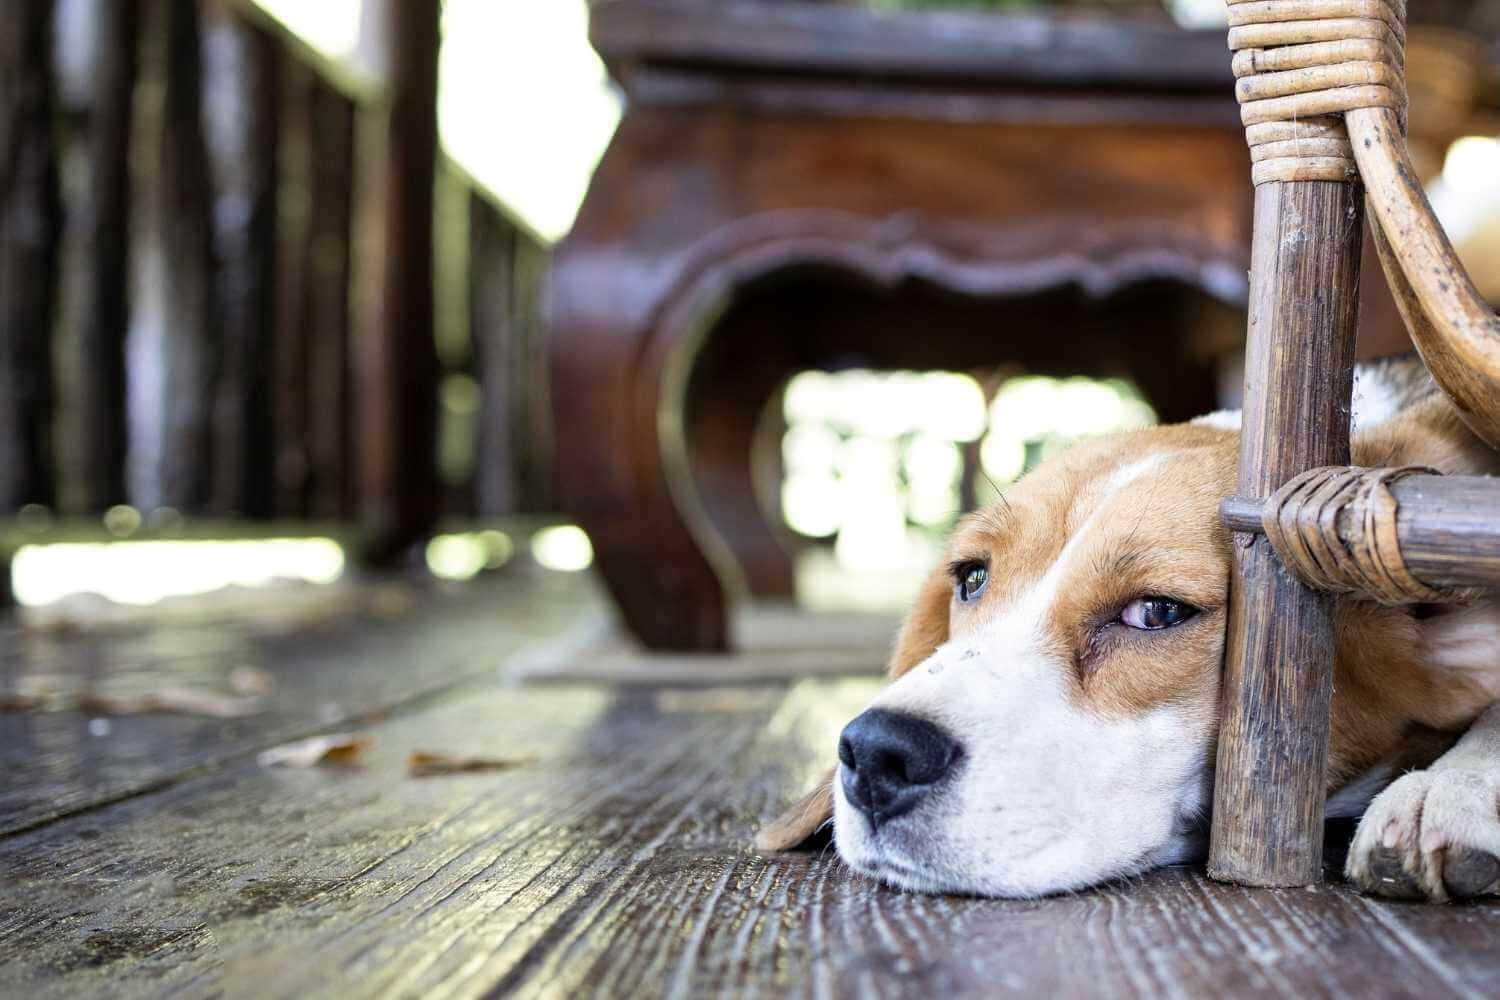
(153, 856)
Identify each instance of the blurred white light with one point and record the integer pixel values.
(142, 573)
(867, 464)
(809, 398)
(564, 547)
(521, 75)
(456, 557)
(877, 458)
(877, 406)
(331, 26)
(950, 406)
(497, 57)
(1035, 408)
(498, 548)
(1003, 455)
(1199, 13)
(873, 535)
(888, 405)
(1025, 407)
(1473, 163)
(812, 503)
(934, 507)
(809, 446)
(932, 461)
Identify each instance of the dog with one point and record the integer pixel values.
(1053, 713)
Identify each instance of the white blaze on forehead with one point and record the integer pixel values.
(1042, 594)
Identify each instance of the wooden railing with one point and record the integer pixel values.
(218, 288)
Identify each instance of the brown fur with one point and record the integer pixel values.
(1160, 534)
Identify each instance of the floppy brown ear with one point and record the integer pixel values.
(792, 828)
(926, 628)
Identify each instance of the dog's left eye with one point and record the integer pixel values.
(971, 578)
(1152, 613)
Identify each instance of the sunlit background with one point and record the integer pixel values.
(498, 56)
(881, 465)
(876, 465)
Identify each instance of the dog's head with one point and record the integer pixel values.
(1054, 708)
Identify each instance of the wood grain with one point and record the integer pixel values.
(330, 176)
(618, 865)
(1455, 329)
(1033, 49)
(245, 71)
(506, 269)
(399, 373)
(1448, 527)
(1278, 661)
(349, 661)
(313, 404)
(727, 184)
(105, 313)
(30, 233)
(191, 349)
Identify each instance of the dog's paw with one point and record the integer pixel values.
(1431, 835)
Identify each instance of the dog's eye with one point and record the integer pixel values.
(971, 578)
(1152, 613)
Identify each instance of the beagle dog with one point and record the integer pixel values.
(1053, 712)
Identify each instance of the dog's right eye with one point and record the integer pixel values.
(972, 578)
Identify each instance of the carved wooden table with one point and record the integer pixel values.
(796, 186)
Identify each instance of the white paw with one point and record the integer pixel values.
(1431, 835)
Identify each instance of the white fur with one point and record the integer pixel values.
(1422, 816)
(1049, 796)
(1376, 399)
(1221, 420)
(1467, 641)
(1380, 393)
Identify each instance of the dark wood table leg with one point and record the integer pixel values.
(613, 476)
(743, 364)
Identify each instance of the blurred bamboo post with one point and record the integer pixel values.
(500, 356)
(191, 353)
(30, 235)
(507, 265)
(245, 82)
(312, 356)
(105, 315)
(399, 385)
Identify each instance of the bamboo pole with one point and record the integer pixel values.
(1278, 672)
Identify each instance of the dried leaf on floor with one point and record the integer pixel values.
(422, 764)
(340, 748)
(15, 701)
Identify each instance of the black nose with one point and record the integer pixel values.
(891, 761)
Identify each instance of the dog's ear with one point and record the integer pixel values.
(796, 826)
(926, 628)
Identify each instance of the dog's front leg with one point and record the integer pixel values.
(1435, 834)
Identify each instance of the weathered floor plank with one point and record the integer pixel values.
(334, 670)
(618, 865)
